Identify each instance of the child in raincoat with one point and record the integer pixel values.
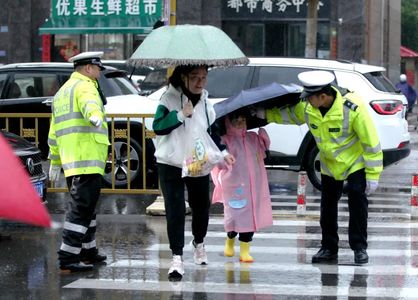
(243, 187)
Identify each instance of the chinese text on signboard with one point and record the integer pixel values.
(269, 5)
(79, 8)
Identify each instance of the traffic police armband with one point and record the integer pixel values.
(350, 105)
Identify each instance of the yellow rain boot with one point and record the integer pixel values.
(229, 247)
(244, 253)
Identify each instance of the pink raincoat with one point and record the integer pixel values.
(243, 188)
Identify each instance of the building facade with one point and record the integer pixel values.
(366, 31)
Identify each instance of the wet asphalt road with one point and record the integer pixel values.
(139, 256)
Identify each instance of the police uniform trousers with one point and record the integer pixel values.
(357, 205)
(172, 187)
(78, 236)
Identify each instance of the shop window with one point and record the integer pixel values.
(276, 38)
(65, 46)
(111, 44)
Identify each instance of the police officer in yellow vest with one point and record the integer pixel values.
(78, 141)
(349, 149)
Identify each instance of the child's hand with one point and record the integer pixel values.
(229, 159)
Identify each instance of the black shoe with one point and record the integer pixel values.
(324, 255)
(94, 259)
(75, 267)
(361, 257)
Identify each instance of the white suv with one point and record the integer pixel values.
(292, 146)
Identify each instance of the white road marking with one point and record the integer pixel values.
(272, 267)
(310, 236)
(394, 225)
(242, 288)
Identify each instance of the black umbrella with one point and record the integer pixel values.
(273, 94)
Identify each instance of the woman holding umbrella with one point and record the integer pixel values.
(184, 103)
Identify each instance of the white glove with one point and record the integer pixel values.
(54, 173)
(371, 186)
(96, 121)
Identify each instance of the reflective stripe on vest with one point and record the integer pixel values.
(80, 129)
(84, 164)
(358, 160)
(71, 115)
(52, 142)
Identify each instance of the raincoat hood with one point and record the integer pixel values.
(232, 130)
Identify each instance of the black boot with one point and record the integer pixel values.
(75, 267)
(93, 259)
(325, 255)
(361, 256)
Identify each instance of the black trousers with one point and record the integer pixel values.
(357, 206)
(78, 236)
(245, 237)
(172, 187)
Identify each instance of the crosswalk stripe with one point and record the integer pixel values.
(309, 236)
(163, 263)
(219, 221)
(399, 198)
(243, 288)
(293, 250)
(342, 205)
(346, 214)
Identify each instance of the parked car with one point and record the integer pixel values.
(30, 157)
(292, 146)
(30, 87)
(136, 74)
(156, 79)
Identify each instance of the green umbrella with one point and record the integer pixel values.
(170, 46)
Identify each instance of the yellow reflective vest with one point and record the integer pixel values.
(346, 136)
(74, 143)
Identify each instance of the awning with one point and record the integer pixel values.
(98, 25)
(406, 52)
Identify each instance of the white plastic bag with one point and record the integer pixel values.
(201, 155)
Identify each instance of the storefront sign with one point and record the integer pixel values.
(100, 8)
(102, 16)
(271, 9)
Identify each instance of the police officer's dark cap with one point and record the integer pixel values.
(314, 82)
(88, 58)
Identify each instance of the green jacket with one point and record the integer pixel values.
(74, 143)
(346, 136)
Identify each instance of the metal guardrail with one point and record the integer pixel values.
(29, 125)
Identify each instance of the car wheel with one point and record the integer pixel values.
(121, 169)
(313, 169)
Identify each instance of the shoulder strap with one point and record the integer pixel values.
(350, 105)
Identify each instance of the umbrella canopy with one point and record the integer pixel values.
(171, 46)
(273, 94)
(18, 198)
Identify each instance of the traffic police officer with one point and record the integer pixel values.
(78, 141)
(349, 149)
